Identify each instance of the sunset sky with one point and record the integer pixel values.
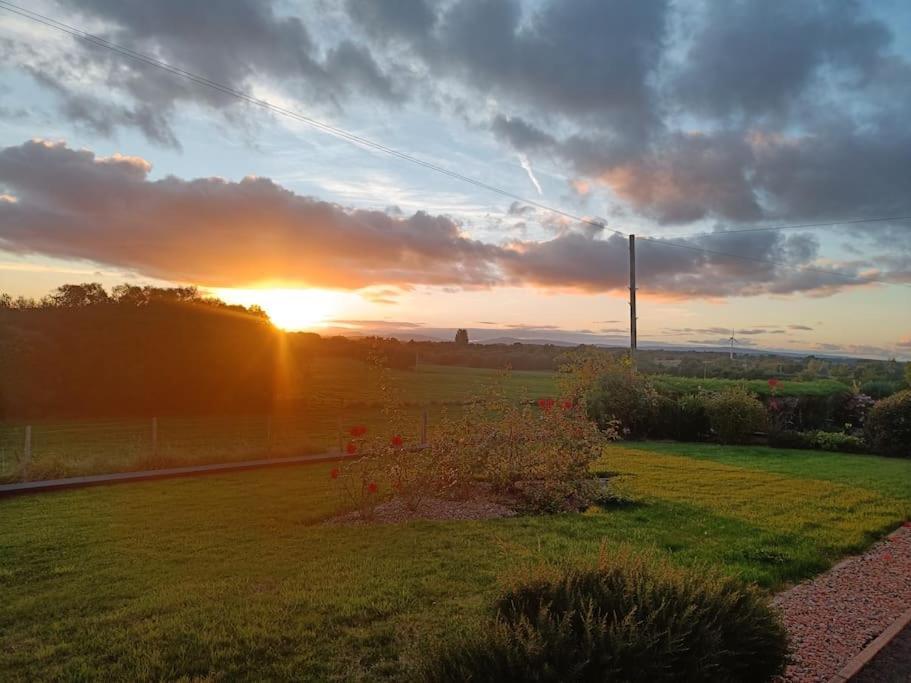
(668, 120)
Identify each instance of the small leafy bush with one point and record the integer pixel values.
(682, 418)
(735, 414)
(836, 441)
(692, 418)
(888, 425)
(820, 440)
(621, 395)
(622, 619)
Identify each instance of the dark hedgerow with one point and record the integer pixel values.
(888, 425)
(624, 619)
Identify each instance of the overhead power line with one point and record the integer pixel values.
(370, 144)
(98, 41)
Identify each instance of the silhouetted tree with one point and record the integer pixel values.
(461, 337)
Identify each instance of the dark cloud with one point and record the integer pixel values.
(750, 57)
(71, 204)
(244, 43)
(806, 328)
(768, 92)
(742, 110)
(213, 232)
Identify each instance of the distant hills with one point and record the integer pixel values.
(561, 338)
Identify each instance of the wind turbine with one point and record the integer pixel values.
(733, 341)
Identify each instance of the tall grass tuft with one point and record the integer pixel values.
(623, 619)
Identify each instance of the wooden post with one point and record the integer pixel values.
(28, 444)
(633, 341)
(155, 436)
(424, 427)
(338, 429)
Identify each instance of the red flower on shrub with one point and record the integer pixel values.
(567, 404)
(396, 441)
(371, 487)
(351, 448)
(334, 473)
(357, 430)
(545, 404)
(773, 383)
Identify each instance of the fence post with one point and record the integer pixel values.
(338, 430)
(28, 444)
(424, 427)
(155, 437)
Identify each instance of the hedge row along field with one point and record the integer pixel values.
(670, 385)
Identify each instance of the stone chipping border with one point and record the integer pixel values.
(836, 615)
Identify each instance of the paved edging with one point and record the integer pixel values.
(853, 667)
(49, 485)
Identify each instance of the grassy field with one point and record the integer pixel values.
(233, 577)
(331, 393)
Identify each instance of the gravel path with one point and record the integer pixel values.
(833, 617)
(892, 664)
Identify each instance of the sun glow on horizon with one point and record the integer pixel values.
(288, 308)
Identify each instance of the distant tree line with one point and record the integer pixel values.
(82, 350)
(137, 350)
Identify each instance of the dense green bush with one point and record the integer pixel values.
(682, 418)
(735, 414)
(820, 440)
(620, 394)
(623, 619)
(888, 425)
(837, 441)
(692, 418)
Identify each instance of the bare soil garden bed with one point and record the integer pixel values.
(481, 504)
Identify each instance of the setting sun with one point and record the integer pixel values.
(289, 309)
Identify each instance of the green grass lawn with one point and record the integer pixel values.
(232, 576)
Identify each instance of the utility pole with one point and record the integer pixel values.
(632, 300)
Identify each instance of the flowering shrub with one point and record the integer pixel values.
(356, 480)
(539, 451)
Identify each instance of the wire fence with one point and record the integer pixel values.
(36, 450)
